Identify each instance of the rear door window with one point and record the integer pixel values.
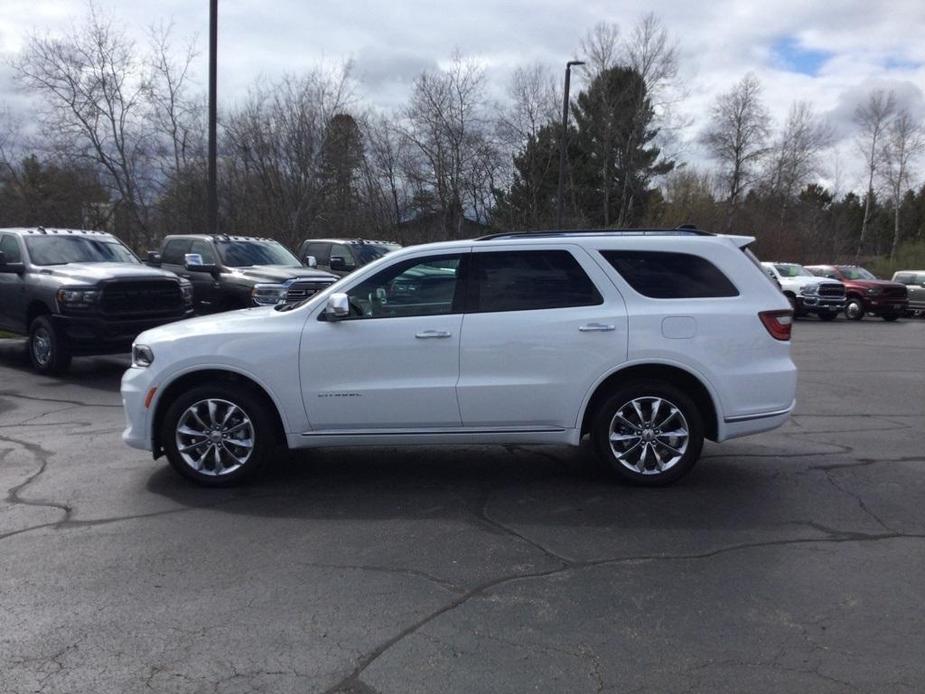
(667, 275)
(529, 281)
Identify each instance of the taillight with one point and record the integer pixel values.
(778, 323)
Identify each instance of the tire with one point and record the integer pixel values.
(854, 309)
(890, 317)
(827, 315)
(661, 404)
(48, 352)
(245, 417)
(794, 305)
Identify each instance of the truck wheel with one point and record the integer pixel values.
(216, 435)
(890, 317)
(648, 433)
(828, 315)
(47, 350)
(854, 309)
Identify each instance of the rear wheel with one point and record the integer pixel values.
(47, 349)
(648, 433)
(217, 434)
(854, 309)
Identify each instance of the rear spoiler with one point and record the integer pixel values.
(739, 241)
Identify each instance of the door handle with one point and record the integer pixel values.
(427, 334)
(597, 328)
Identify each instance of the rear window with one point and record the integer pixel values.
(665, 275)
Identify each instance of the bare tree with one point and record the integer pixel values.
(872, 118)
(737, 138)
(452, 155)
(651, 52)
(534, 102)
(94, 88)
(600, 47)
(903, 142)
(794, 155)
(385, 153)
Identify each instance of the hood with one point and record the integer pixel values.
(230, 322)
(870, 284)
(93, 273)
(802, 280)
(281, 273)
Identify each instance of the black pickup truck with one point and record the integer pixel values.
(232, 272)
(76, 292)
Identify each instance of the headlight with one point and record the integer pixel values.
(268, 294)
(78, 298)
(186, 288)
(809, 289)
(142, 355)
(874, 291)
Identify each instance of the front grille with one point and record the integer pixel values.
(833, 291)
(144, 298)
(302, 290)
(895, 292)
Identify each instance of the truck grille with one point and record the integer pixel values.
(302, 290)
(143, 298)
(832, 291)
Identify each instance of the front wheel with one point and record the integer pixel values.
(854, 309)
(48, 352)
(828, 315)
(890, 317)
(648, 433)
(217, 435)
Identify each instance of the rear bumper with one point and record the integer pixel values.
(96, 335)
(745, 425)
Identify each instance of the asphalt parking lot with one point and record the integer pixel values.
(790, 561)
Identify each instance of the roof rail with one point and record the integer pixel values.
(683, 230)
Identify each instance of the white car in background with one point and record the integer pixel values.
(806, 292)
(645, 341)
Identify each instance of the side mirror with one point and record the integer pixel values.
(338, 263)
(193, 263)
(154, 258)
(310, 261)
(11, 268)
(338, 306)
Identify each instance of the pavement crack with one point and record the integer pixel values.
(61, 401)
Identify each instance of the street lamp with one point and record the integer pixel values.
(212, 192)
(568, 75)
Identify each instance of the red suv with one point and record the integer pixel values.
(865, 293)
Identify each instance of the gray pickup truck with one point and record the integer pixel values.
(78, 292)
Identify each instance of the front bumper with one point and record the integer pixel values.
(886, 305)
(135, 385)
(97, 335)
(817, 303)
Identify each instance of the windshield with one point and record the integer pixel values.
(246, 253)
(60, 250)
(792, 270)
(368, 252)
(852, 272)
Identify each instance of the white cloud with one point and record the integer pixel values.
(866, 44)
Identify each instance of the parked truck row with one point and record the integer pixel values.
(75, 292)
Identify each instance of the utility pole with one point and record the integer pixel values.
(212, 206)
(562, 141)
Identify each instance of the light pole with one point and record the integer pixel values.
(559, 197)
(212, 204)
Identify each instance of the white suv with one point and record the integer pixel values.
(806, 292)
(646, 341)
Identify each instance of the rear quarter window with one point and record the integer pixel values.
(667, 275)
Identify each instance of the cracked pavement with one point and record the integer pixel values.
(789, 561)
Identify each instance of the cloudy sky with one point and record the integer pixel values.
(830, 53)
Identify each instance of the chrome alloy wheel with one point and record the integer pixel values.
(854, 310)
(41, 346)
(648, 435)
(215, 437)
